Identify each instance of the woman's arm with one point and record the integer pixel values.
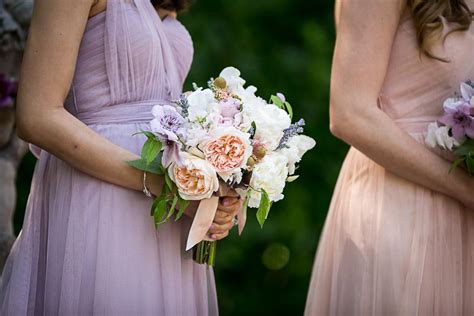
(48, 66)
(365, 36)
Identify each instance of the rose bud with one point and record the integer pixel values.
(220, 83)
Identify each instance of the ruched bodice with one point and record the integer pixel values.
(416, 86)
(128, 55)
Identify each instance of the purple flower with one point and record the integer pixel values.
(171, 153)
(7, 90)
(167, 124)
(459, 117)
(281, 96)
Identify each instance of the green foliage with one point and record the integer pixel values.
(466, 152)
(264, 208)
(153, 167)
(151, 149)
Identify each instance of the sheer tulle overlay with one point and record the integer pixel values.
(389, 246)
(90, 247)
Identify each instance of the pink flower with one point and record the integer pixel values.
(195, 179)
(228, 150)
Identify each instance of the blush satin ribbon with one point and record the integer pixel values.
(203, 220)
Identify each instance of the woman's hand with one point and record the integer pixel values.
(227, 210)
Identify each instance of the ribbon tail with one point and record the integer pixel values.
(202, 221)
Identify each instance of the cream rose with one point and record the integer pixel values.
(228, 150)
(270, 120)
(195, 179)
(270, 175)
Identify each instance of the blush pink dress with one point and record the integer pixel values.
(89, 247)
(390, 246)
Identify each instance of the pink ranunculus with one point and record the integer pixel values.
(228, 150)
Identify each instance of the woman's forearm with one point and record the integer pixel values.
(377, 136)
(64, 136)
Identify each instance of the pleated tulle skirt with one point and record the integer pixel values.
(88, 247)
(391, 247)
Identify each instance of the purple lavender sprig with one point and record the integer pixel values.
(183, 104)
(8, 89)
(293, 130)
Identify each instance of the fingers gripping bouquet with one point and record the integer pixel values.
(221, 135)
(454, 131)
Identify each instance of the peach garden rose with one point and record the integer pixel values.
(195, 179)
(228, 150)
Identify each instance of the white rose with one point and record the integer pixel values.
(270, 175)
(195, 134)
(270, 121)
(439, 136)
(196, 179)
(201, 104)
(295, 148)
(232, 78)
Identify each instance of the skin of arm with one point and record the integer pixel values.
(48, 67)
(365, 36)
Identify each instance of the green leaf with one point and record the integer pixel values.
(289, 109)
(456, 164)
(151, 149)
(159, 212)
(470, 163)
(277, 101)
(264, 208)
(183, 205)
(254, 127)
(155, 167)
(467, 148)
(146, 133)
(169, 182)
(172, 208)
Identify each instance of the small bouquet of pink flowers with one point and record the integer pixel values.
(221, 134)
(454, 131)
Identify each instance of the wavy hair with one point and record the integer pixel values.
(428, 14)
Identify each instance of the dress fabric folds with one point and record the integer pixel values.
(389, 246)
(89, 247)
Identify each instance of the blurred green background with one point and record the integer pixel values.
(280, 46)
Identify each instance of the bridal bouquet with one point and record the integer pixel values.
(221, 135)
(454, 131)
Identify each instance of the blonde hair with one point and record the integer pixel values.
(427, 16)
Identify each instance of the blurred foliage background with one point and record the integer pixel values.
(280, 46)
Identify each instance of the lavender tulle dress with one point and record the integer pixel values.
(390, 246)
(88, 247)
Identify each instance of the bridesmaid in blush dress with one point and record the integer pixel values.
(399, 236)
(88, 244)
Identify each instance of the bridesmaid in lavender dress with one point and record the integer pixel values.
(399, 237)
(88, 245)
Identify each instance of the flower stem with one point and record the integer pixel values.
(205, 253)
